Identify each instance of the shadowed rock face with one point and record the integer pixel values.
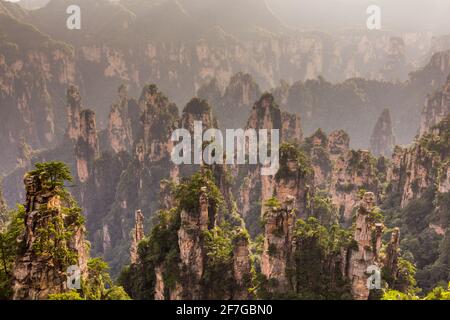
(278, 235)
(252, 188)
(34, 71)
(368, 238)
(382, 141)
(120, 124)
(138, 236)
(74, 107)
(436, 108)
(38, 271)
(234, 106)
(87, 147)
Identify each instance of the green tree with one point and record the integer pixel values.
(53, 174)
(98, 285)
(9, 248)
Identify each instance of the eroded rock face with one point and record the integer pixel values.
(292, 183)
(87, 147)
(368, 239)
(436, 108)
(38, 272)
(242, 272)
(192, 252)
(74, 107)
(352, 172)
(278, 234)
(341, 171)
(233, 106)
(120, 133)
(291, 128)
(382, 141)
(255, 188)
(412, 171)
(338, 143)
(34, 71)
(160, 118)
(138, 235)
(392, 254)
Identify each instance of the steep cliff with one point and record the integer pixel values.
(188, 255)
(34, 70)
(279, 220)
(367, 236)
(418, 201)
(382, 141)
(437, 107)
(252, 188)
(234, 106)
(53, 240)
(340, 171)
(123, 122)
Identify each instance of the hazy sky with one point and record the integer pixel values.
(397, 15)
(415, 15)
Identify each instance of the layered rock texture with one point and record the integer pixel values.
(203, 259)
(418, 191)
(437, 107)
(138, 236)
(342, 172)
(53, 240)
(277, 250)
(34, 70)
(367, 236)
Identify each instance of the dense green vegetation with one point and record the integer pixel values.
(317, 260)
(424, 238)
(161, 249)
(9, 247)
(59, 223)
(292, 153)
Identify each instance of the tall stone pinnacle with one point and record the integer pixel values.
(382, 141)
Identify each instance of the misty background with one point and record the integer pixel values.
(335, 15)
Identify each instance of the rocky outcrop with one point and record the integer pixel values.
(242, 268)
(138, 235)
(74, 107)
(236, 103)
(392, 250)
(159, 119)
(52, 241)
(120, 124)
(277, 250)
(354, 171)
(192, 251)
(338, 144)
(340, 171)
(87, 146)
(34, 70)
(294, 180)
(254, 188)
(291, 127)
(368, 239)
(437, 107)
(382, 141)
(412, 171)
